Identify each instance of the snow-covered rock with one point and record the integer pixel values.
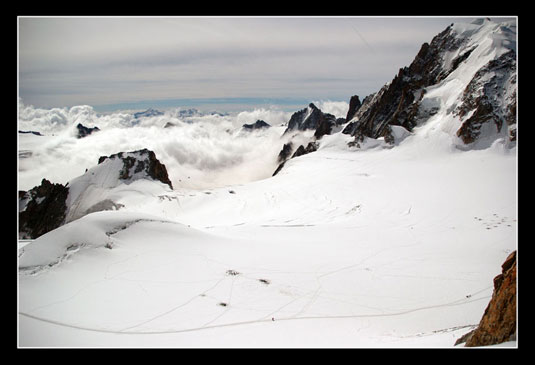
(42, 209)
(49, 206)
(463, 83)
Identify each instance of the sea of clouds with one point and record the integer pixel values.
(200, 151)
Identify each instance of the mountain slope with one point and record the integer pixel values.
(102, 187)
(466, 78)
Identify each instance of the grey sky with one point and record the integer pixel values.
(66, 61)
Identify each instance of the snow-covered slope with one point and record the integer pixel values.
(463, 84)
(382, 246)
(103, 186)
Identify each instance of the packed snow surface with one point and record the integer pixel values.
(343, 248)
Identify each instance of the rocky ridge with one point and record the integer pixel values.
(41, 209)
(498, 323)
(483, 51)
(259, 124)
(307, 119)
(48, 206)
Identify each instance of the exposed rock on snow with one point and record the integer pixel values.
(142, 163)
(287, 151)
(354, 105)
(311, 118)
(49, 206)
(479, 58)
(283, 156)
(41, 209)
(498, 323)
(489, 97)
(302, 150)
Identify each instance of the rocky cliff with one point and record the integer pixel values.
(466, 76)
(139, 164)
(498, 323)
(42, 209)
(312, 118)
(48, 206)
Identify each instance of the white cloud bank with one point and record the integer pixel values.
(199, 151)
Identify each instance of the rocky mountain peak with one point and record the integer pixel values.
(48, 206)
(139, 164)
(259, 124)
(479, 58)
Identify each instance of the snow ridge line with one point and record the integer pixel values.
(58, 323)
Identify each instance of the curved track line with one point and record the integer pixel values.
(454, 303)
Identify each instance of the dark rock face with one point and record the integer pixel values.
(309, 118)
(354, 106)
(139, 161)
(312, 118)
(85, 131)
(498, 323)
(326, 124)
(44, 209)
(398, 103)
(285, 153)
(302, 150)
(484, 97)
(32, 132)
(259, 124)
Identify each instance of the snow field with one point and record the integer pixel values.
(341, 249)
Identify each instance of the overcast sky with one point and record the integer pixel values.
(66, 61)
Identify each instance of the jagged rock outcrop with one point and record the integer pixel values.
(487, 99)
(302, 150)
(259, 124)
(354, 106)
(287, 150)
(483, 49)
(83, 131)
(396, 103)
(42, 209)
(498, 323)
(142, 162)
(48, 206)
(283, 156)
(310, 118)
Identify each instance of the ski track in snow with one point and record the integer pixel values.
(241, 323)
